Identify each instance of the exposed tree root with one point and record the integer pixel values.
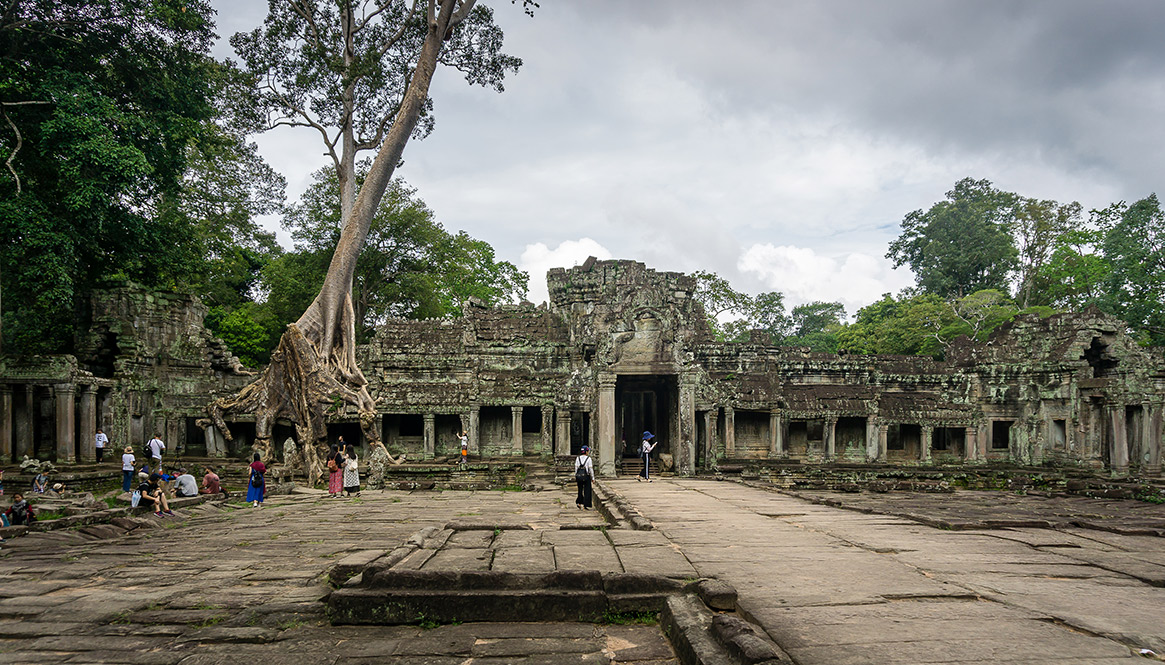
(300, 387)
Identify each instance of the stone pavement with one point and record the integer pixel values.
(232, 583)
(836, 586)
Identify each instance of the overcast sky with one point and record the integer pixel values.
(777, 143)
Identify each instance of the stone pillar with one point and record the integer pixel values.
(710, 420)
(1150, 443)
(830, 436)
(24, 424)
(873, 442)
(5, 424)
(562, 441)
(883, 441)
(776, 436)
(547, 430)
(516, 424)
(474, 430)
(971, 443)
(606, 440)
(685, 453)
(729, 432)
(216, 445)
(1118, 455)
(430, 435)
(926, 440)
(1154, 419)
(89, 424)
(66, 423)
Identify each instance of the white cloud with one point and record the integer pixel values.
(538, 258)
(803, 275)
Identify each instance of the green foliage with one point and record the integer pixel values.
(410, 266)
(1134, 248)
(960, 245)
(910, 325)
(1037, 227)
(109, 106)
(718, 299)
(1074, 276)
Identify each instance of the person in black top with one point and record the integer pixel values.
(153, 496)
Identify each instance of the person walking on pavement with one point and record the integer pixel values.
(645, 452)
(584, 470)
(155, 448)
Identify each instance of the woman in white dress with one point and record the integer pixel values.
(351, 471)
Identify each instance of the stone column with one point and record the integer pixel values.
(516, 425)
(776, 436)
(215, 442)
(830, 436)
(926, 439)
(1118, 455)
(24, 424)
(729, 432)
(430, 438)
(873, 442)
(66, 423)
(547, 430)
(971, 443)
(883, 441)
(1153, 442)
(606, 440)
(1150, 443)
(474, 430)
(562, 441)
(5, 424)
(685, 457)
(710, 420)
(89, 424)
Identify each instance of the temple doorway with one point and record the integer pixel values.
(646, 403)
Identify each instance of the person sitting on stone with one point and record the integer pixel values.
(185, 484)
(211, 484)
(40, 484)
(153, 497)
(19, 513)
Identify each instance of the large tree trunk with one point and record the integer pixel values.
(313, 369)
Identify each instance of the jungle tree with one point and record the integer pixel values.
(357, 72)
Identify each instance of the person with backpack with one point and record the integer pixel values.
(645, 452)
(19, 513)
(335, 472)
(584, 470)
(155, 447)
(257, 482)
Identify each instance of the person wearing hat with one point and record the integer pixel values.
(584, 470)
(645, 452)
(127, 462)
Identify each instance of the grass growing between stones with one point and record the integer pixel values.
(636, 618)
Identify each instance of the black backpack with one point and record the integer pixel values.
(581, 472)
(256, 479)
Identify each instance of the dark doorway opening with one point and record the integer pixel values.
(195, 439)
(580, 431)
(1001, 434)
(646, 404)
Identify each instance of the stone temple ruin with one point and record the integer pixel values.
(619, 349)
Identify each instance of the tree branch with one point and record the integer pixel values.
(297, 5)
(404, 24)
(19, 143)
(462, 12)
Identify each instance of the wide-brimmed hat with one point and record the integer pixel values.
(128, 449)
(648, 435)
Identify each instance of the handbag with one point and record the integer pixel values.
(135, 499)
(332, 465)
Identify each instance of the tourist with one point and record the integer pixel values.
(187, 486)
(464, 437)
(19, 513)
(211, 484)
(584, 470)
(645, 452)
(127, 462)
(99, 441)
(153, 497)
(335, 472)
(155, 448)
(40, 484)
(256, 482)
(351, 471)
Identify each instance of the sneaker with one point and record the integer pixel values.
(170, 513)
(160, 514)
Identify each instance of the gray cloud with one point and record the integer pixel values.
(687, 134)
